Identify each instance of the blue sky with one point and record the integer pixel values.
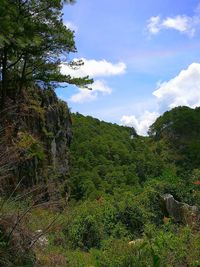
(143, 55)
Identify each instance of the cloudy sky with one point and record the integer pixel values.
(144, 57)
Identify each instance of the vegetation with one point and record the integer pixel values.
(114, 215)
(180, 129)
(106, 160)
(33, 42)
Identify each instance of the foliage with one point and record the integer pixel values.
(115, 216)
(163, 247)
(118, 180)
(91, 222)
(30, 146)
(180, 130)
(14, 236)
(33, 43)
(105, 159)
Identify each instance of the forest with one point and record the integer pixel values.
(76, 191)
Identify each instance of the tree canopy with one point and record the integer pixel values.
(33, 43)
(180, 129)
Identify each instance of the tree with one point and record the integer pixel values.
(33, 43)
(179, 128)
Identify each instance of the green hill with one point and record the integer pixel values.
(115, 213)
(106, 157)
(180, 129)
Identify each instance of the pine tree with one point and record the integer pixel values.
(33, 42)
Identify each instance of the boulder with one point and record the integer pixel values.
(180, 212)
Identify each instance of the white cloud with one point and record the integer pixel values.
(154, 25)
(70, 25)
(181, 23)
(141, 123)
(84, 95)
(184, 89)
(101, 86)
(94, 68)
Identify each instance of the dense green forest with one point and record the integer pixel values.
(117, 179)
(107, 158)
(115, 215)
(76, 191)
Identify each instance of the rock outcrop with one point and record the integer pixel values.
(36, 128)
(179, 211)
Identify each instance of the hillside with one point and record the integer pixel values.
(79, 192)
(180, 128)
(106, 157)
(116, 214)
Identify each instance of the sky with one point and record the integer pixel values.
(144, 57)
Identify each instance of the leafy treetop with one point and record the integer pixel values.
(33, 42)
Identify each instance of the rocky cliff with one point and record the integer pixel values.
(35, 134)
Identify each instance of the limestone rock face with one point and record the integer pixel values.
(38, 126)
(179, 211)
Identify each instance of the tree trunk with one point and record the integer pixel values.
(4, 75)
(23, 74)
